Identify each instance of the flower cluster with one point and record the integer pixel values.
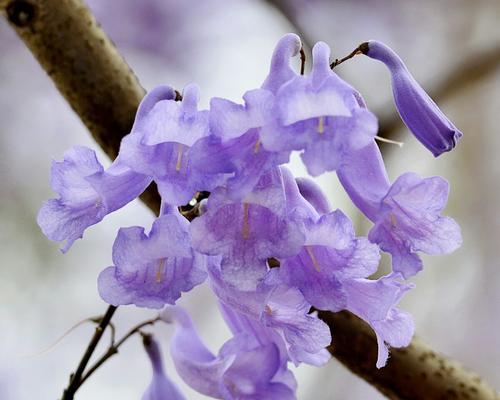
(270, 246)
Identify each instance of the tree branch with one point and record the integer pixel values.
(92, 76)
(76, 378)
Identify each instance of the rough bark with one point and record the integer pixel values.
(90, 73)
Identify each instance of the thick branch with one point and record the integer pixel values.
(413, 372)
(67, 41)
(87, 69)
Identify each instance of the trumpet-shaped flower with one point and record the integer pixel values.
(87, 193)
(151, 271)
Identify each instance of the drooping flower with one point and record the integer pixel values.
(161, 387)
(248, 232)
(410, 221)
(151, 271)
(161, 141)
(418, 111)
(232, 374)
(87, 193)
(319, 115)
(406, 214)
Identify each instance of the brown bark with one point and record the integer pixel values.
(413, 372)
(90, 73)
(84, 64)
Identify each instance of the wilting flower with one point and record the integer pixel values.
(161, 387)
(418, 111)
(87, 193)
(151, 271)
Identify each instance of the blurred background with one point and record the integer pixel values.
(452, 48)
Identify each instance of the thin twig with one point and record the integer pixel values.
(75, 379)
(113, 349)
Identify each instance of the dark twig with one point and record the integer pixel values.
(113, 349)
(63, 36)
(302, 60)
(76, 378)
(361, 49)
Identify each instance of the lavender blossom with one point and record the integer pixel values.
(161, 140)
(151, 271)
(248, 232)
(161, 387)
(232, 374)
(320, 115)
(410, 221)
(418, 111)
(87, 193)
(406, 214)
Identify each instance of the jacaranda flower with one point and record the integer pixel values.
(418, 111)
(406, 214)
(151, 271)
(87, 193)
(232, 374)
(161, 387)
(319, 115)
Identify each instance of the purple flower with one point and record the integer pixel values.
(232, 374)
(410, 221)
(418, 111)
(235, 147)
(161, 141)
(331, 255)
(319, 114)
(160, 388)
(87, 193)
(248, 232)
(375, 301)
(151, 271)
(406, 214)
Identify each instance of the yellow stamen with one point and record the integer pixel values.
(313, 258)
(256, 148)
(246, 227)
(180, 150)
(393, 219)
(159, 270)
(268, 310)
(321, 125)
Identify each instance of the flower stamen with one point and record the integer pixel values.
(246, 227)
(321, 125)
(159, 270)
(313, 258)
(180, 151)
